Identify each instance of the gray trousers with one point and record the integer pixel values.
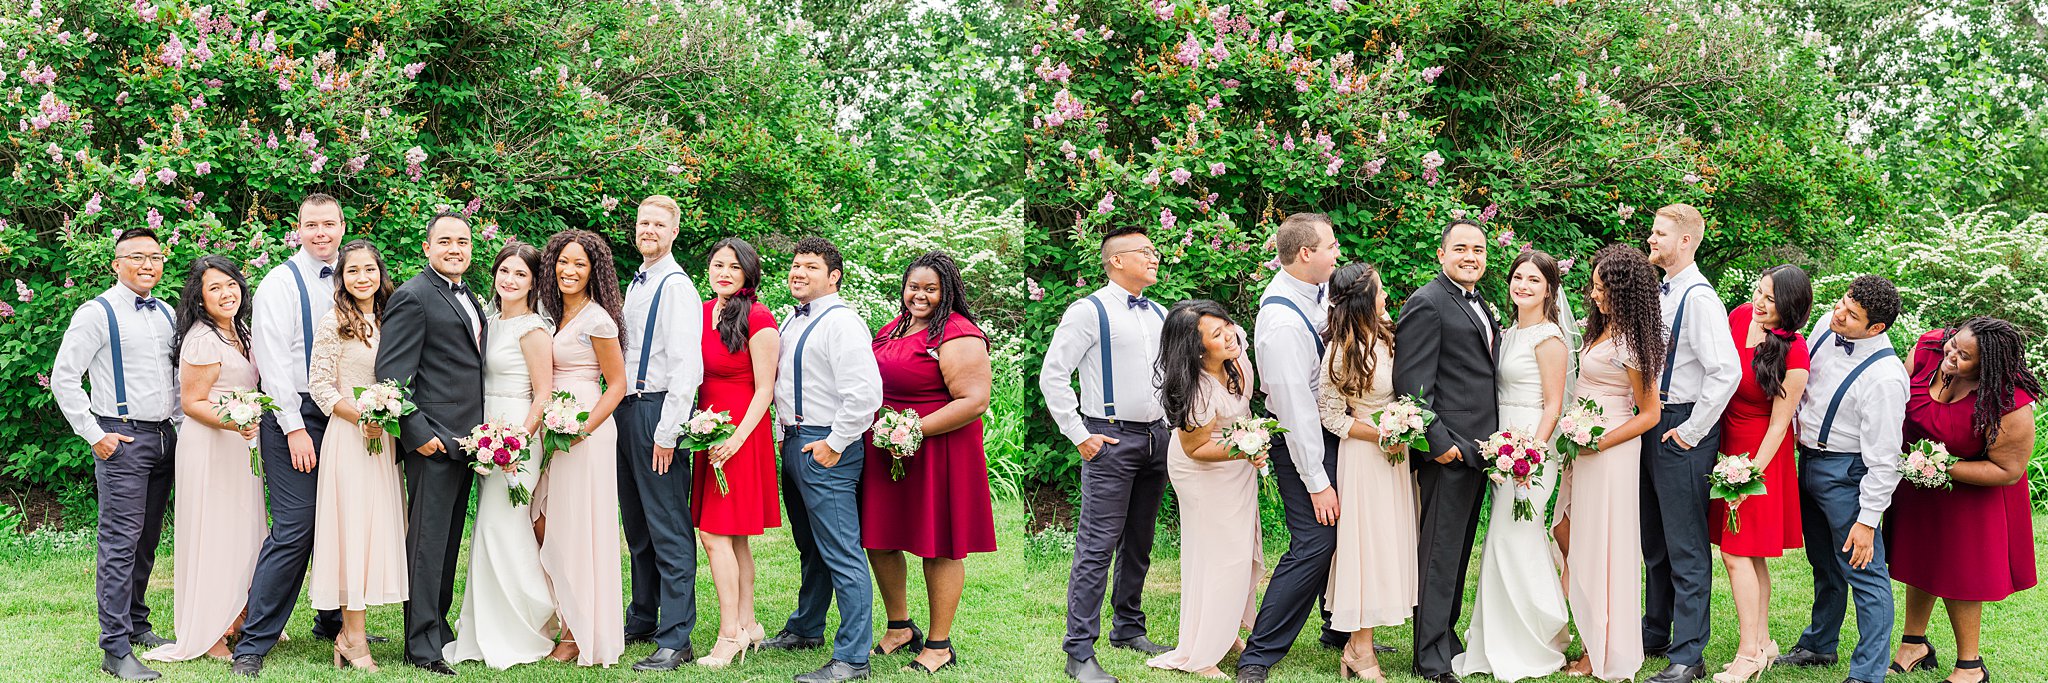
(824, 519)
(1828, 505)
(1120, 493)
(281, 565)
(659, 534)
(1676, 554)
(134, 486)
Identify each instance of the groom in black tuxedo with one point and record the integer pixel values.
(433, 341)
(1445, 347)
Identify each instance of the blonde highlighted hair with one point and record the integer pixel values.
(666, 203)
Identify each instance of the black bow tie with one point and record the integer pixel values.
(639, 277)
(326, 272)
(803, 310)
(1139, 302)
(149, 302)
(457, 287)
(1847, 346)
(1471, 296)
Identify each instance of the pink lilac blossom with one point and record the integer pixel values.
(1429, 75)
(166, 176)
(1190, 53)
(7, 311)
(1163, 9)
(173, 54)
(1335, 164)
(1167, 219)
(489, 233)
(1216, 169)
(1217, 54)
(1488, 214)
(92, 206)
(1138, 96)
(140, 178)
(1300, 84)
(1106, 204)
(147, 10)
(156, 220)
(355, 164)
(1180, 176)
(202, 168)
(1215, 102)
(1151, 178)
(201, 53)
(1288, 143)
(413, 70)
(319, 162)
(1505, 239)
(413, 158)
(22, 291)
(1372, 168)
(1625, 211)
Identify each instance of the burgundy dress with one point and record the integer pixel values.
(1968, 542)
(749, 506)
(1770, 522)
(942, 506)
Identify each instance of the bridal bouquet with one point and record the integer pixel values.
(1403, 423)
(561, 424)
(1517, 458)
(1251, 437)
(901, 433)
(1733, 478)
(1926, 465)
(497, 446)
(242, 410)
(382, 404)
(1579, 430)
(704, 430)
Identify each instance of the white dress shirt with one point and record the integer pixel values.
(1077, 346)
(462, 302)
(1479, 309)
(1706, 367)
(1871, 420)
(1289, 370)
(674, 355)
(151, 381)
(280, 336)
(842, 384)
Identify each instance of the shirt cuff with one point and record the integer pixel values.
(1076, 435)
(1693, 434)
(1315, 482)
(839, 443)
(666, 438)
(92, 435)
(289, 421)
(1870, 518)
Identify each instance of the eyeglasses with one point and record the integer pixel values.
(1148, 251)
(142, 259)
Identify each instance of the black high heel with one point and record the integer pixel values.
(914, 646)
(1977, 663)
(952, 657)
(1924, 663)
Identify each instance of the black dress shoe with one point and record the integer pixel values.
(1141, 644)
(1800, 656)
(1680, 673)
(834, 671)
(1087, 671)
(664, 659)
(248, 666)
(1442, 678)
(127, 668)
(1251, 673)
(790, 641)
(149, 640)
(437, 667)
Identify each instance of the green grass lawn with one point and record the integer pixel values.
(1010, 626)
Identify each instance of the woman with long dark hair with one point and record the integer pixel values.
(359, 552)
(219, 498)
(1598, 525)
(741, 346)
(1520, 624)
(1973, 542)
(934, 362)
(1373, 575)
(506, 604)
(1205, 384)
(1758, 424)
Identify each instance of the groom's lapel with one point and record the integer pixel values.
(1457, 295)
(461, 317)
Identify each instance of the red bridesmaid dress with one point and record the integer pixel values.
(1770, 521)
(942, 506)
(1968, 542)
(750, 506)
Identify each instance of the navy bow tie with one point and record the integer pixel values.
(149, 302)
(1320, 290)
(1664, 288)
(1847, 346)
(639, 277)
(1139, 302)
(803, 310)
(326, 272)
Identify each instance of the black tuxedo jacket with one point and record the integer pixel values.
(426, 344)
(1442, 353)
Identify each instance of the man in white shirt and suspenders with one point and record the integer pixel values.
(1111, 337)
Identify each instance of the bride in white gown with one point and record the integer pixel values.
(507, 606)
(1519, 620)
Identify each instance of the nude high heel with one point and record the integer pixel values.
(725, 652)
(356, 655)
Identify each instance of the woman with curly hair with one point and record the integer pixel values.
(577, 503)
(1599, 526)
(1974, 541)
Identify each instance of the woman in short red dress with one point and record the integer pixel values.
(741, 346)
(1758, 423)
(1974, 542)
(936, 362)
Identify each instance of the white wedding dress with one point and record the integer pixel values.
(1519, 618)
(507, 607)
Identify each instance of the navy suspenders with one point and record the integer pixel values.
(1827, 424)
(1108, 367)
(305, 312)
(647, 337)
(800, 341)
(1671, 353)
(114, 342)
(1289, 303)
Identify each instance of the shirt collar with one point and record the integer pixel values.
(819, 304)
(1287, 282)
(1864, 347)
(445, 278)
(120, 293)
(664, 264)
(305, 259)
(1116, 292)
(1456, 286)
(1691, 272)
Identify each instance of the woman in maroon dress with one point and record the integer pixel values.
(1973, 542)
(1758, 423)
(740, 346)
(936, 362)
